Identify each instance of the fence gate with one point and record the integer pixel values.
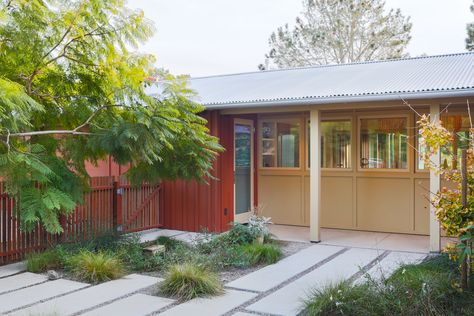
(137, 207)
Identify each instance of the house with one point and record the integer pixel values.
(355, 122)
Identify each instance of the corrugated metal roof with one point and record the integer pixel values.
(432, 76)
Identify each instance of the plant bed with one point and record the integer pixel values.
(428, 288)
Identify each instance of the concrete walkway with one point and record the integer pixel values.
(277, 289)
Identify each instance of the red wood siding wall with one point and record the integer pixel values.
(193, 206)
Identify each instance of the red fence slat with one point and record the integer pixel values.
(139, 207)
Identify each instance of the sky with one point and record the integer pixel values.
(209, 37)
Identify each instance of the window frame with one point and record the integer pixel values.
(359, 142)
(455, 110)
(275, 119)
(346, 118)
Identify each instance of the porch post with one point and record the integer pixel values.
(315, 177)
(435, 185)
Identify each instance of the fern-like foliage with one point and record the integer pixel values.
(66, 65)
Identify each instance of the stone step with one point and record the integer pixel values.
(92, 296)
(21, 280)
(12, 268)
(385, 267)
(37, 293)
(211, 306)
(136, 305)
(270, 276)
(288, 300)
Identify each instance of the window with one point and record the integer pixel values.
(383, 143)
(335, 144)
(459, 126)
(280, 144)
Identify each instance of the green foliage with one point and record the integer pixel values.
(169, 243)
(258, 254)
(72, 90)
(51, 259)
(95, 267)
(187, 281)
(130, 252)
(423, 289)
(455, 218)
(337, 32)
(239, 234)
(470, 33)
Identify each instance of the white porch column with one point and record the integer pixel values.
(315, 177)
(435, 185)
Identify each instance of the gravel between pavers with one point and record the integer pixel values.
(288, 248)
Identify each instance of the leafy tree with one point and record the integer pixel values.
(340, 31)
(470, 34)
(455, 215)
(72, 90)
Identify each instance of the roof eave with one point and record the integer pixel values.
(458, 93)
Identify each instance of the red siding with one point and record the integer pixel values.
(193, 206)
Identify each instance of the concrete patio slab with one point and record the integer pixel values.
(21, 280)
(351, 238)
(37, 293)
(136, 305)
(360, 239)
(270, 276)
(288, 299)
(211, 306)
(385, 267)
(92, 296)
(12, 268)
(153, 234)
(189, 237)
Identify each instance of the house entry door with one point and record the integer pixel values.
(243, 170)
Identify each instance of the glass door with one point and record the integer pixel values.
(243, 170)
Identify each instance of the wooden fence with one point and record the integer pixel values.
(109, 205)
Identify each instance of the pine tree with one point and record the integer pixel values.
(72, 90)
(340, 31)
(470, 34)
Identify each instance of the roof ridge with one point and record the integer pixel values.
(334, 65)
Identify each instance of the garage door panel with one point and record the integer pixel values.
(384, 204)
(281, 198)
(336, 202)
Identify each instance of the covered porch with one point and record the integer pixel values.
(370, 188)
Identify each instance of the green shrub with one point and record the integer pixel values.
(187, 281)
(239, 234)
(95, 267)
(258, 254)
(169, 242)
(48, 260)
(422, 289)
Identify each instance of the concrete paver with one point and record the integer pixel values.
(12, 268)
(36, 293)
(151, 235)
(288, 299)
(211, 306)
(136, 305)
(270, 276)
(92, 296)
(21, 280)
